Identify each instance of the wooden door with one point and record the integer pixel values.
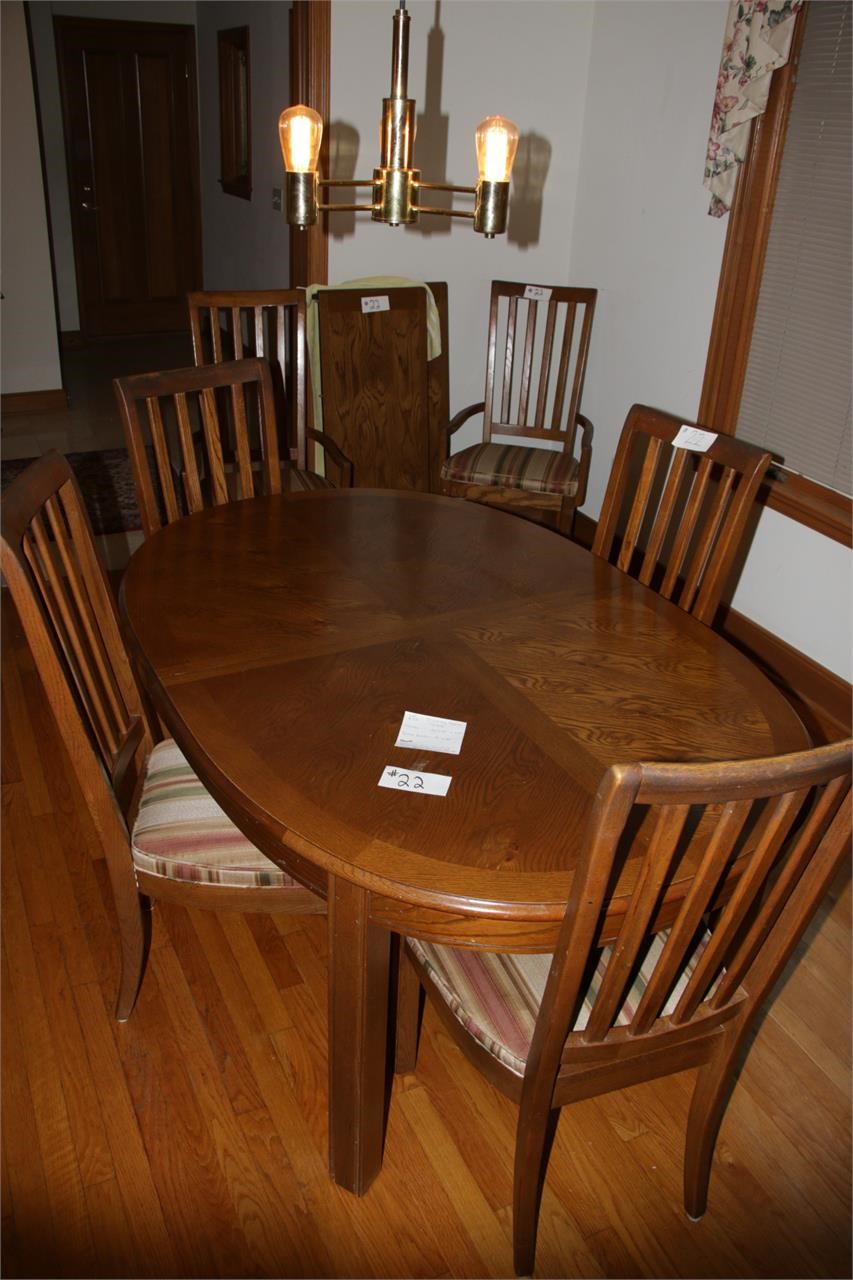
(131, 134)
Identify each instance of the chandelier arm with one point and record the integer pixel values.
(349, 208)
(344, 182)
(444, 186)
(446, 213)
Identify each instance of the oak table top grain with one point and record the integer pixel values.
(282, 639)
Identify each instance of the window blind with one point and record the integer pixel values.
(797, 392)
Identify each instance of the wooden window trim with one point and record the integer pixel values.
(310, 78)
(796, 496)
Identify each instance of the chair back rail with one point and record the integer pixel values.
(269, 324)
(375, 377)
(676, 517)
(67, 612)
(783, 824)
(205, 435)
(540, 347)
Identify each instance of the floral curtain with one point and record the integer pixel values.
(757, 41)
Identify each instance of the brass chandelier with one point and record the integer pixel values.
(397, 185)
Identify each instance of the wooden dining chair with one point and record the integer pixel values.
(199, 437)
(536, 358)
(160, 832)
(674, 515)
(381, 361)
(641, 984)
(270, 324)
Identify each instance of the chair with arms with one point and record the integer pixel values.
(270, 324)
(379, 357)
(161, 833)
(641, 984)
(199, 437)
(535, 366)
(674, 514)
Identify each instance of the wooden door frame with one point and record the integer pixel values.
(741, 272)
(310, 83)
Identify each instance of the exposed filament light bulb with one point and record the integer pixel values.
(496, 140)
(300, 132)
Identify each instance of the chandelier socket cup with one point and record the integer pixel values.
(301, 198)
(490, 208)
(394, 195)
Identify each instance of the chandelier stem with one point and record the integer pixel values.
(400, 54)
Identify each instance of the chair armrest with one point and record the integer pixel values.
(457, 420)
(332, 451)
(463, 415)
(584, 458)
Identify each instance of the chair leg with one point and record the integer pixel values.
(135, 933)
(710, 1095)
(532, 1151)
(566, 517)
(408, 1013)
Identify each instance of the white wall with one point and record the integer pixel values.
(527, 61)
(246, 243)
(642, 230)
(30, 346)
(798, 585)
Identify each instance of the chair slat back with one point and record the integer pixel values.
(675, 517)
(62, 596)
(536, 363)
(199, 436)
(269, 324)
(763, 841)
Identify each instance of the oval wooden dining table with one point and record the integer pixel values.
(282, 639)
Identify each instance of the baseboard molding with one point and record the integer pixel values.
(50, 401)
(822, 698)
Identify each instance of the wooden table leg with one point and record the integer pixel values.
(359, 955)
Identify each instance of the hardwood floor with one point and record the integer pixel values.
(191, 1141)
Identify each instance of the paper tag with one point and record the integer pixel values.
(693, 438)
(431, 733)
(379, 302)
(537, 292)
(428, 784)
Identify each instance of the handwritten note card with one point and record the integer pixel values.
(431, 733)
(537, 292)
(693, 438)
(378, 302)
(426, 784)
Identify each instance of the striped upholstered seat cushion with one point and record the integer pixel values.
(182, 834)
(497, 997)
(514, 466)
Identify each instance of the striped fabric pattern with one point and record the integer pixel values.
(514, 466)
(182, 834)
(496, 997)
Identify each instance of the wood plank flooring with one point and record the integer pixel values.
(192, 1140)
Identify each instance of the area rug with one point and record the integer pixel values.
(106, 482)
